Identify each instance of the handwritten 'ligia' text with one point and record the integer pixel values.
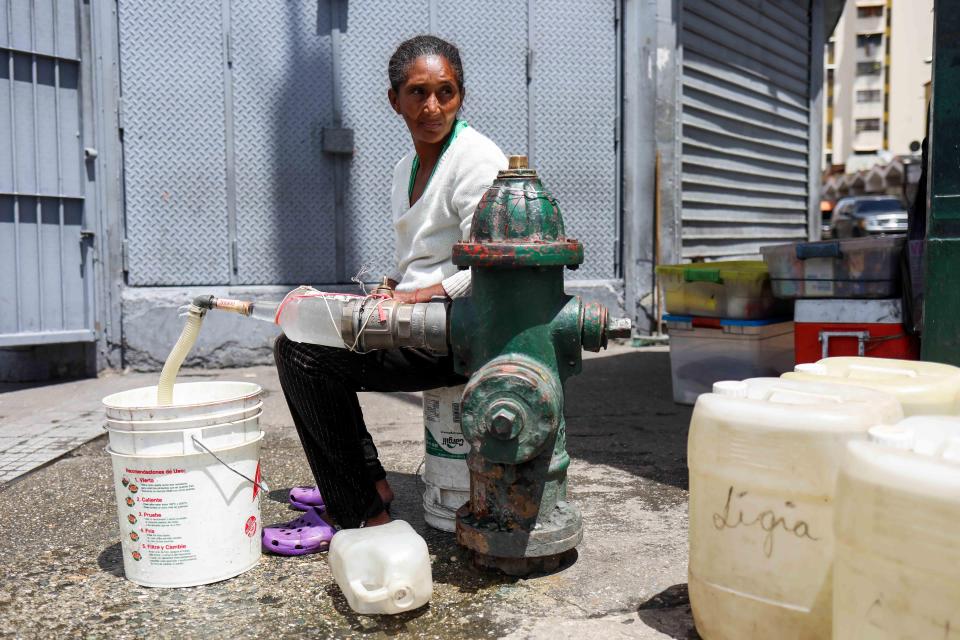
(768, 521)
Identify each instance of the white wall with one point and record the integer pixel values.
(911, 44)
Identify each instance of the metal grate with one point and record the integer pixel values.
(45, 294)
(574, 116)
(282, 84)
(174, 142)
(245, 89)
(494, 71)
(373, 32)
(745, 126)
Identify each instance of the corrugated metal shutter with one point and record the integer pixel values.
(46, 293)
(745, 125)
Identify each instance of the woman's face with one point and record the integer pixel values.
(428, 99)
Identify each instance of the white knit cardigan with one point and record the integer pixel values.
(426, 232)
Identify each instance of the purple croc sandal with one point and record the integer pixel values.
(305, 498)
(307, 534)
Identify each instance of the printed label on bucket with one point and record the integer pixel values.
(187, 520)
(156, 504)
(442, 433)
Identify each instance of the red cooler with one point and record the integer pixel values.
(842, 327)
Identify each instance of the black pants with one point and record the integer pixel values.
(321, 385)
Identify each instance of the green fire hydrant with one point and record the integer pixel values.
(518, 337)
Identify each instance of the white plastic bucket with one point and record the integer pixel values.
(188, 516)
(445, 472)
(219, 417)
(185, 441)
(190, 400)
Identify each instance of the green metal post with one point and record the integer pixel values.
(941, 306)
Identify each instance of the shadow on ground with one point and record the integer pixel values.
(620, 413)
(669, 613)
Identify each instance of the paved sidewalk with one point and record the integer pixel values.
(41, 423)
(63, 574)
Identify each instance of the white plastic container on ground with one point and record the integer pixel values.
(923, 388)
(705, 350)
(763, 456)
(897, 568)
(185, 517)
(445, 471)
(383, 569)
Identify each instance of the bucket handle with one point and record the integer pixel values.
(262, 484)
(106, 427)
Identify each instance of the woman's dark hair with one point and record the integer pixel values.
(411, 49)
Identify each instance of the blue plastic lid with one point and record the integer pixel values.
(729, 322)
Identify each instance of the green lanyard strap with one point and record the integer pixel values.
(458, 126)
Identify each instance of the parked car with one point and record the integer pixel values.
(859, 216)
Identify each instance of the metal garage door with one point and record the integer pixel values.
(746, 125)
(45, 249)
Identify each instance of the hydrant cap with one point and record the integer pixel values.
(511, 407)
(518, 224)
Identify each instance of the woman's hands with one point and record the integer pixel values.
(419, 295)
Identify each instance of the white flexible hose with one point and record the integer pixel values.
(179, 353)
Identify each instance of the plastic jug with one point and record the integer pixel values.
(384, 569)
(763, 456)
(897, 571)
(923, 388)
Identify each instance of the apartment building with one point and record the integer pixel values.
(877, 63)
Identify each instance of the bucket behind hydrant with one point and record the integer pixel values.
(191, 517)
(445, 472)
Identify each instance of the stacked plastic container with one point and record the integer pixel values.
(724, 323)
(897, 567)
(922, 388)
(847, 296)
(763, 458)
(815, 508)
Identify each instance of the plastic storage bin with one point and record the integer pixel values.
(763, 457)
(705, 350)
(923, 388)
(856, 268)
(845, 327)
(735, 289)
(897, 558)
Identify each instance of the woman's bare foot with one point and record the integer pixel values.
(386, 493)
(381, 518)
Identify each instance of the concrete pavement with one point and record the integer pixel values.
(63, 575)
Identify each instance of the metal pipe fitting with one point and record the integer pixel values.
(388, 324)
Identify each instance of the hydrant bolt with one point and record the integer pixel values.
(507, 421)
